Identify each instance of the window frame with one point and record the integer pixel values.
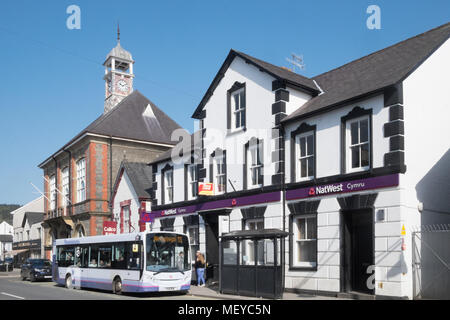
(192, 184)
(52, 188)
(308, 157)
(168, 187)
(240, 93)
(219, 162)
(255, 150)
(359, 144)
(65, 186)
(81, 180)
(295, 241)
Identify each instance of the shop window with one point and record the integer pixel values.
(192, 232)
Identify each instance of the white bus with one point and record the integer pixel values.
(134, 262)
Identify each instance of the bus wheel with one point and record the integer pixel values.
(117, 286)
(69, 281)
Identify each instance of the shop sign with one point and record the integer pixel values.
(344, 187)
(206, 189)
(109, 228)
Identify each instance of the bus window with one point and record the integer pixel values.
(84, 256)
(118, 259)
(105, 252)
(133, 255)
(78, 256)
(93, 256)
(66, 256)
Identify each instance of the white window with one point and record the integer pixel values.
(53, 192)
(305, 241)
(358, 150)
(126, 219)
(255, 173)
(65, 186)
(248, 246)
(238, 109)
(192, 181)
(81, 180)
(220, 177)
(168, 186)
(304, 156)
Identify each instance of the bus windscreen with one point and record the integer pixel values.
(167, 252)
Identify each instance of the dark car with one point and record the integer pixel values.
(36, 269)
(6, 265)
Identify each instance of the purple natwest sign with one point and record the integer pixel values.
(344, 187)
(211, 205)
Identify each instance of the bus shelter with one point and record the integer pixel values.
(251, 263)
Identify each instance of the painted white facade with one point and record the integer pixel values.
(36, 205)
(426, 182)
(6, 228)
(125, 192)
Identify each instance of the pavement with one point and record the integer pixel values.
(212, 291)
(12, 287)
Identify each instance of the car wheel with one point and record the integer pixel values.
(117, 286)
(24, 278)
(69, 282)
(32, 277)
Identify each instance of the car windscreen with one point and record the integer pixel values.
(40, 264)
(166, 252)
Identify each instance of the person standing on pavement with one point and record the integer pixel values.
(200, 268)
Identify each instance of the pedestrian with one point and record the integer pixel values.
(200, 268)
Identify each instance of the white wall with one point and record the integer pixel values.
(328, 137)
(36, 205)
(259, 120)
(6, 228)
(427, 137)
(125, 191)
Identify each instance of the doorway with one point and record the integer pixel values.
(358, 247)
(212, 246)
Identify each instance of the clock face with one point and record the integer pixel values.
(122, 85)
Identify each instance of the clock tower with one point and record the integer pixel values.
(118, 75)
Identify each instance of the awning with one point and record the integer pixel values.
(15, 252)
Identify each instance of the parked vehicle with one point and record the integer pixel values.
(36, 269)
(6, 265)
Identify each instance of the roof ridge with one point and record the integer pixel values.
(281, 68)
(381, 50)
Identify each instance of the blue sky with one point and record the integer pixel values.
(52, 87)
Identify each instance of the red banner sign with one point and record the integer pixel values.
(206, 189)
(109, 227)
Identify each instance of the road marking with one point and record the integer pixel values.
(11, 295)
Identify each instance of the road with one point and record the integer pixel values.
(13, 288)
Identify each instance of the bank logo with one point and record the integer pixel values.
(311, 192)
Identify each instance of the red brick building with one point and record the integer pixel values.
(79, 176)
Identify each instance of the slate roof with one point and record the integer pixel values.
(195, 138)
(32, 217)
(140, 175)
(372, 72)
(280, 73)
(132, 119)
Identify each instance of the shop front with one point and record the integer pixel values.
(24, 250)
(212, 220)
(339, 234)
